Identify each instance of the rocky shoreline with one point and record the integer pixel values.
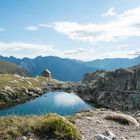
(116, 90)
(125, 101)
(11, 95)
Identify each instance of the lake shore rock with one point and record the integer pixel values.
(14, 95)
(116, 90)
(15, 89)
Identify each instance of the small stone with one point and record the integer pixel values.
(101, 137)
(98, 121)
(22, 138)
(110, 134)
(122, 138)
(30, 139)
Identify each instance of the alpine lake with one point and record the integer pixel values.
(62, 103)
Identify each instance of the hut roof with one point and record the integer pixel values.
(46, 70)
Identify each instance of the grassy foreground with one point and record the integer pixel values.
(47, 127)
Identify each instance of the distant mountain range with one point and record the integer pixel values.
(113, 63)
(10, 68)
(61, 69)
(69, 69)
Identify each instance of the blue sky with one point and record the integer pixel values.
(77, 29)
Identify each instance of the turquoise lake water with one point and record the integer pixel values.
(61, 103)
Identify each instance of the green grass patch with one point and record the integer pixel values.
(51, 126)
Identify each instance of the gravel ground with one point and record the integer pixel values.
(92, 123)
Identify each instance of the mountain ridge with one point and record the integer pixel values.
(61, 69)
(114, 63)
(66, 69)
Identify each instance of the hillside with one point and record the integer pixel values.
(10, 68)
(61, 69)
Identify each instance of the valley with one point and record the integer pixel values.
(110, 92)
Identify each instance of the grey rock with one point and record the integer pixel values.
(108, 135)
(30, 139)
(117, 90)
(122, 138)
(22, 138)
(101, 137)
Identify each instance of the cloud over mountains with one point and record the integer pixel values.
(124, 25)
(112, 34)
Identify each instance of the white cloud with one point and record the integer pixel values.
(79, 53)
(134, 53)
(44, 25)
(37, 27)
(124, 25)
(75, 51)
(20, 49)
(2, 30)
(124, 46)
(122, 54)
(110, 12)
(32, 28)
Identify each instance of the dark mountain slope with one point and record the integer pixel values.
(69, 69)
(10, 68)
(61, 69)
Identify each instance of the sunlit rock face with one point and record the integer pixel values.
(118, 90)
(120, 79)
